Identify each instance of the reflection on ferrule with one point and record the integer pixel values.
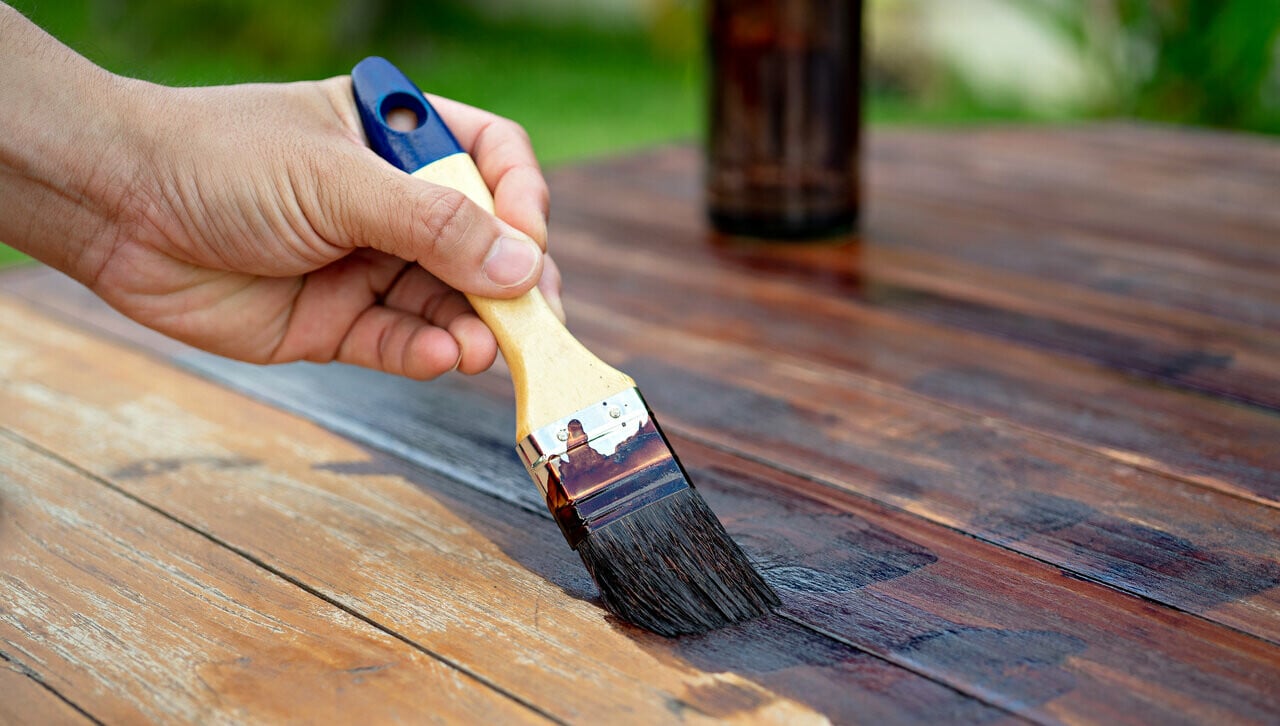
(595, 426)
(601, 463)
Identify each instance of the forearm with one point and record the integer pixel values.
(66, 174)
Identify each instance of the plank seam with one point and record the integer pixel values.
(30, 673)
(897, 392)
(258, 562)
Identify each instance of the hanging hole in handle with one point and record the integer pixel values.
(403, 112)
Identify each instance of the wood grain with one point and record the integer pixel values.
(444, 567)
(135, 618)
(831, 558)
(954, 332)
(976, 617)
(1178, 347)
(1196, 550)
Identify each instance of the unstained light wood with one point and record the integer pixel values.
(134, 618)
(26, 701)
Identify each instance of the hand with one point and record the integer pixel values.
(252, 221)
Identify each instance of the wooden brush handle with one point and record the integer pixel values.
(554, 375)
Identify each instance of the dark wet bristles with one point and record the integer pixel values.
(670, 567)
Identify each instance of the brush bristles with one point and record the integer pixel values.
(671, 568)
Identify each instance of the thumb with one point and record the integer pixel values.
(439, 228)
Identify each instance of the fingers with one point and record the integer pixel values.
(373, 310)
(549, 285)
(380, 207)
(403, 343)
(421, 294)
(505, 157)
(399, 343)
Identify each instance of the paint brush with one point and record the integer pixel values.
(659, 555)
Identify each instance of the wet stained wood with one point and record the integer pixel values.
(464, 577)
(1103, 369)
(133, 617)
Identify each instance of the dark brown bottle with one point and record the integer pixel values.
(784, 117)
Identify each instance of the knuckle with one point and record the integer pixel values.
(444, 220)
(512, 129)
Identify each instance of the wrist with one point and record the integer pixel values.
(68, 160)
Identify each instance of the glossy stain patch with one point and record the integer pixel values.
(1139, 420)
(1138, 355)
(825, 560)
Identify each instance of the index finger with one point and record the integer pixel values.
(503, 153)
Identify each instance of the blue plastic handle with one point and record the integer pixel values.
(380, 88)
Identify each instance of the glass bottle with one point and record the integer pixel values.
(784, 116)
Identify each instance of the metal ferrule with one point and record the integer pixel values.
(601, 463)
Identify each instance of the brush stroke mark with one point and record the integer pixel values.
(802, 545)
(1120, 422)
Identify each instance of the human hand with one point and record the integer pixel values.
(253, 222)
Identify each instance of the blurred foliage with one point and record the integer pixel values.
(8, 256)
(580, 88)
(1207, 62)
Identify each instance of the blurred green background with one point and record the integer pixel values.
(592, 77)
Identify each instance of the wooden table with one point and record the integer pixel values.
(1014, 454)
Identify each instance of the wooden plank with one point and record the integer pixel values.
(1183, 194)
(977, 617)
(1180, 348)
(26, 701)
(136, 618)
(485, 585)
(1195, 194)
(833, 305)
(805, 560)
(1192, 549)
(1195, 282)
